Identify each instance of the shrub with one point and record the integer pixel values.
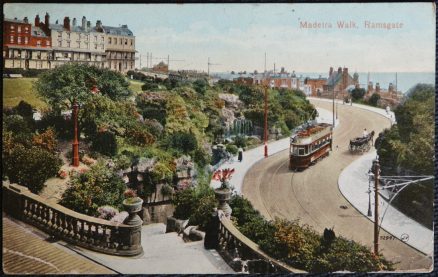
(184, 202)
(24, 109)
(240, 141)
(232, 149)
(139, 136)
(201, 215)
(185, 142)
(105, 143)
(167, 190)
(46, 140)
(100, 186)
(31, 167)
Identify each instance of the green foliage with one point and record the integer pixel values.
(62, 85)
(240, 141)
(97, 187)
(30, 167)
(300, 246)
(232, 149)
(184, 142)
(24, 109)
(200, 86)
(148, 85)
(105, 143)
(358, 94)
(374, 99)
(408, 149)
(196, 204)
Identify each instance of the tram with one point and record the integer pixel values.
(309, 144)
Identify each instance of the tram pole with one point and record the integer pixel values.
(333, 91)
(75, 139)
(376, 167)
(265, 133)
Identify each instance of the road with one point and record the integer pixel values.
(313, 195)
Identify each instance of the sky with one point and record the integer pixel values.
(237, 36)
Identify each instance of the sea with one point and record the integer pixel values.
(405, 80)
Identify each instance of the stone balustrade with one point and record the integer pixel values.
(240, 252)
(78, 229)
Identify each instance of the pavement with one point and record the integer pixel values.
(254, 155)
(353, 184)
(164, 253)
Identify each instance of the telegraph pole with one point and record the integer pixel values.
(376, 166)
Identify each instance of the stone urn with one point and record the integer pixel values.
(133, 206)
(223, 195)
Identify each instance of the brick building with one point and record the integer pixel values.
(161, 67)
(338, 83)
(26, 46)
(316, 85)
(45, 45)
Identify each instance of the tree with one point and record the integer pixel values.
(374, 99)
(358, 94)
(61, 86)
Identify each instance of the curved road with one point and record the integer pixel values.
(313, 195)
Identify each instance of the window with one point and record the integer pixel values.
(19, 40)
(59, 43)
(65, 55)
(301, 151)
(68, 35)
(68, 44)
(26, 29)
(26, 40)
(12, 39)
(19, 29)
(38, 42)
(95, 38)
(79, 44)
(47, 43)
(109, 40)
(12, 27)
(120, 41)
(131, 42)
(59, 34)
(126, 41)
(95, 46)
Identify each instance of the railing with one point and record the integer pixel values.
(78, 229)
(234, 246)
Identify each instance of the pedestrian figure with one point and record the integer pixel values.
(240, 155)
(337, 147)
(365, 133)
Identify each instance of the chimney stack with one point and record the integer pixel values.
(391, 88)
(98, 24)
(339, 70)
(345, 71)
(377, 87)
(67, 23)
(84, 22)
(370, 87)
(74, 22)
(88, 26)
(47, 20)
(37, 20)
(26, 20)
(331, 71)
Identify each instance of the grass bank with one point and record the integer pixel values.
(15, 90)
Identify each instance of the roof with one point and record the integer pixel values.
(334, 78)
(77, 28)
(37, 32)
(121, 31)
(15, 21)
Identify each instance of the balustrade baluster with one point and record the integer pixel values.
(90, 234)
(82, 231)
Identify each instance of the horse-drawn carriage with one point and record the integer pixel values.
(361, 144)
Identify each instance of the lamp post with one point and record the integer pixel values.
(75, 139)
(376, 169)
(370, 174)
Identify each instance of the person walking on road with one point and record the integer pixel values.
(240, 154)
